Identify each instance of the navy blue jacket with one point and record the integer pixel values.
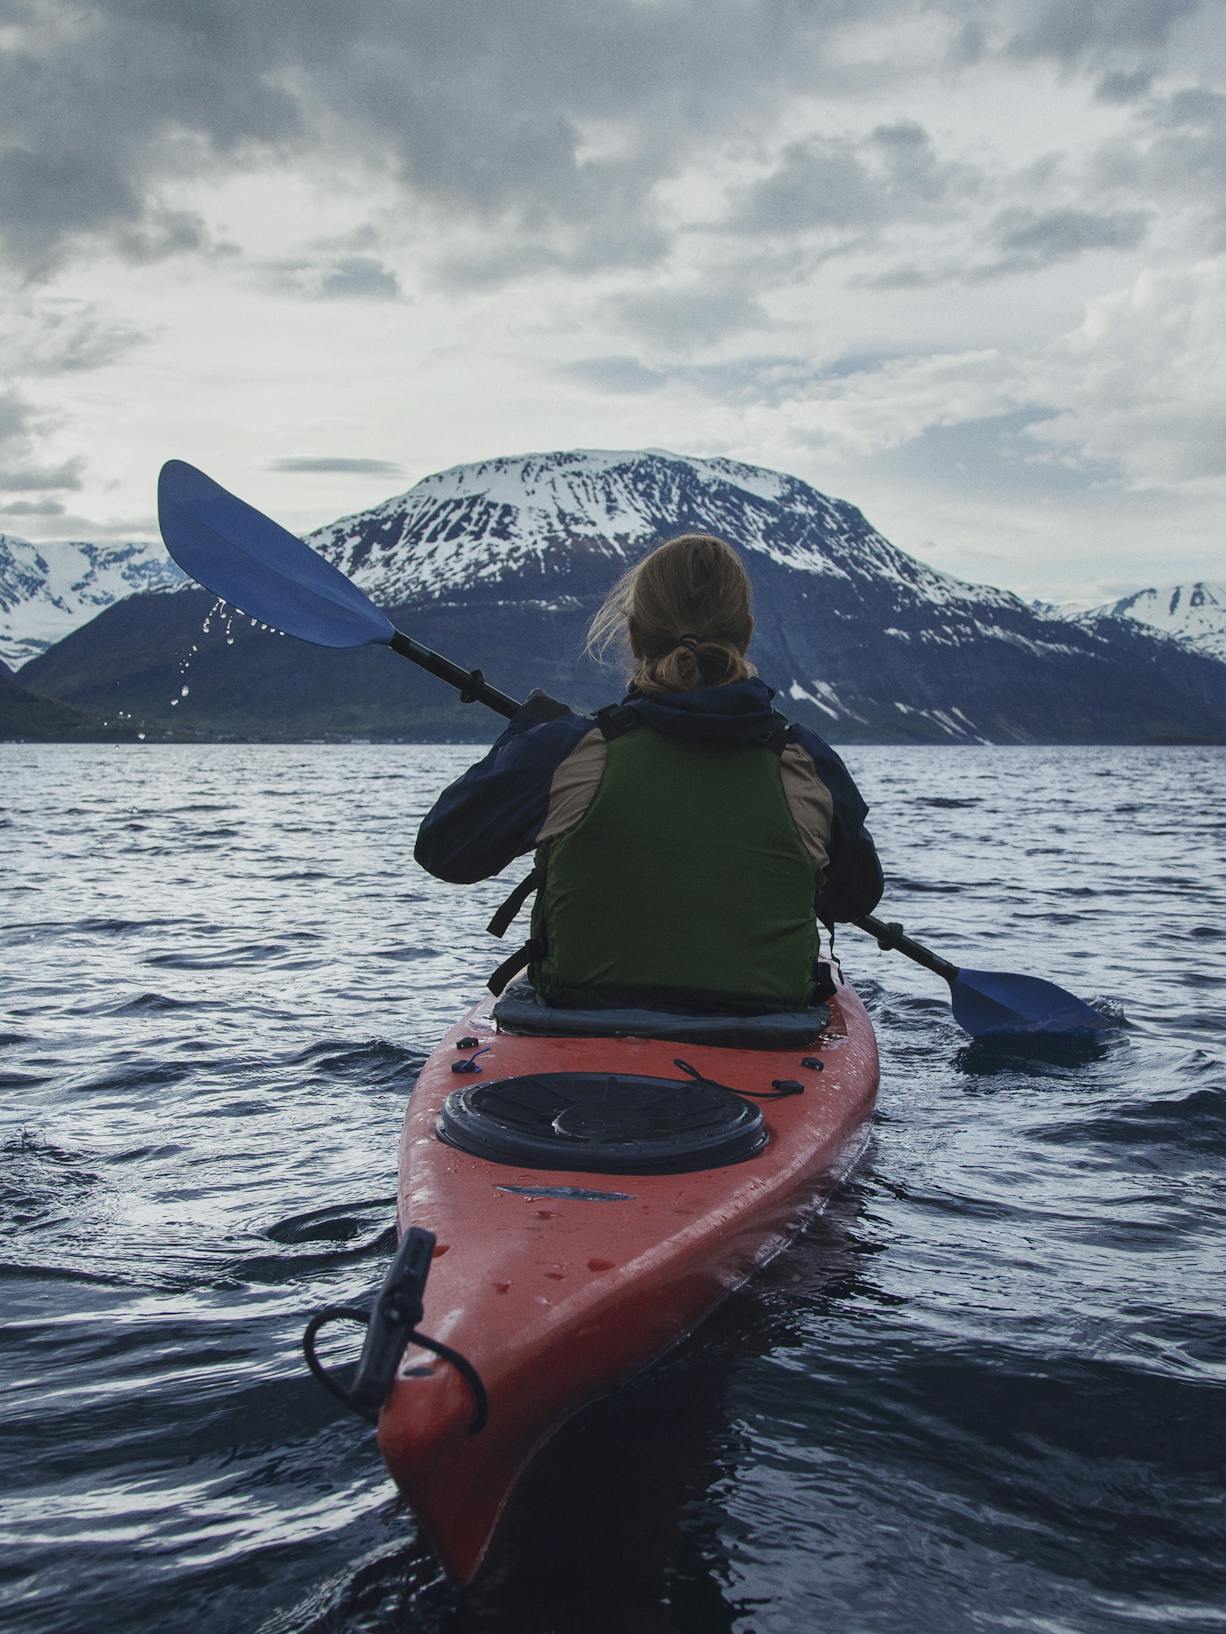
(495, 811)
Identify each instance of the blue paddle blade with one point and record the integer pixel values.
(255, 565)
(993, 1003)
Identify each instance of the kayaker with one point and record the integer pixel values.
(689, 838)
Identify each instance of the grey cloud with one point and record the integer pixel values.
(691, 316)
(1195, 107)
(101, 103)
(350, 277)
(162, 233)
(17, 479)
(14, 416)
(1123, 87)
(906, 275)
(1029, 241)
(841, 183)
(20, 469)
(480, 109)
(620, 375)
(334, 465)
(970, 46)
(1026, 241)
(1175, 152)
(1073, 32)
(62, 338)
(361, 277)
(33, 507)
(622, 242)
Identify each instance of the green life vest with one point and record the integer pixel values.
(685, 880)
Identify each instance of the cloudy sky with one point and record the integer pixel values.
(961, 262)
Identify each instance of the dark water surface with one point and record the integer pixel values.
(985, 1391)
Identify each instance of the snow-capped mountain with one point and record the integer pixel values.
(1194, 614)
(502, 564)
(46, 591)
(478, 526)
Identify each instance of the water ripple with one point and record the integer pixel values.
(983, 1391)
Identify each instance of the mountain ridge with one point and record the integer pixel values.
(503, 562)
(49, 590)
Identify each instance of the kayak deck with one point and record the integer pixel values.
(558, 1284)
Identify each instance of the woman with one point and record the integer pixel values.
(687, 838)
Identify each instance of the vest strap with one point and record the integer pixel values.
(511, 966)
(503, 916)
(615, 720)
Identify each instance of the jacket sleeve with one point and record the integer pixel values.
(494, 812)
(854, 880)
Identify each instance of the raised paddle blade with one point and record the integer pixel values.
(257, 566)
(996, 1004)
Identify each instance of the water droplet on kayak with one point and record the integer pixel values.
(502, 1287)
(601, 1265)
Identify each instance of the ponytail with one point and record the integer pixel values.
(684, 612)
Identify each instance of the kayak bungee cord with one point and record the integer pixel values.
(391, 1325)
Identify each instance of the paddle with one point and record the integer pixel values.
(256, 566)
(994, 1003)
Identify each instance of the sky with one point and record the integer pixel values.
(960, 262)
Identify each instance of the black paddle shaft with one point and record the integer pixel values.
(470, 683)
(892, 935)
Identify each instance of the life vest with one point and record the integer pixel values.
(685, 881)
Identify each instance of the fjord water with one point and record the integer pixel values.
(985, 1390)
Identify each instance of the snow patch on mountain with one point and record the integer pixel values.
(47, 591)
(1194, 614)
(495, 520)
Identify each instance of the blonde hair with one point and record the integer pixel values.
(684, 611)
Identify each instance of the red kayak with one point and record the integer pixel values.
(591, 1197)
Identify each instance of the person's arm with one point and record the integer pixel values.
(854, 880)
(494, 812)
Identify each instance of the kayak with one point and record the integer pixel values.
(589, 1185)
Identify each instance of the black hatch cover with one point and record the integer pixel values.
(602, 1123)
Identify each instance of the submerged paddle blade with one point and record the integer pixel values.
(993, 1003)
(254, 564)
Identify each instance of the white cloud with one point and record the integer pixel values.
(1141, 382)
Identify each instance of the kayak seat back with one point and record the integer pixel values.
(522, 1010)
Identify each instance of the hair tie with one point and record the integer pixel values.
(690, 641)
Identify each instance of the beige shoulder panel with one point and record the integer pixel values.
(809, 801)
(574, 785)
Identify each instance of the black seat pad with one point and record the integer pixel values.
(521, 1010)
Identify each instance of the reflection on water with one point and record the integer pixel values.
(984, 1390)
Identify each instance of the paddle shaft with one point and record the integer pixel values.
(891, 936)
(470, 683)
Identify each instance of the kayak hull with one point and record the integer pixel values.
(558, 1285)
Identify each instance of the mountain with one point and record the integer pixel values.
(48, 590)
(1194, 614)
(27, 718)
(504, 562)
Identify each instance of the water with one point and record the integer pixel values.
(985, 1391)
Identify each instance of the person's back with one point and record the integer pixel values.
(684, 839)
